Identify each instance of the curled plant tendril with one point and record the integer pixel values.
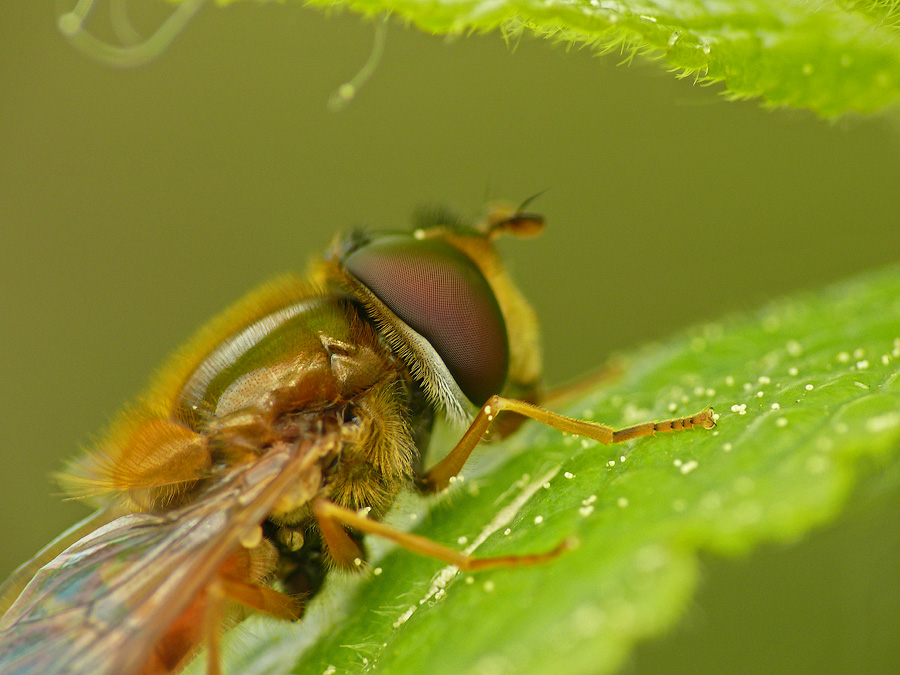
(344, 94)
(132, 51)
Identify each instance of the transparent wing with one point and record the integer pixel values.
(12, 587)
(102, 604)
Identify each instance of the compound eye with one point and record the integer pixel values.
(440, 293)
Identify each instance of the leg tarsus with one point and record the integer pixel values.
(705, 419)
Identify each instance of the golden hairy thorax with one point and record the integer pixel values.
(290, 352)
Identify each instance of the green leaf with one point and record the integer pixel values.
(830, 56)
(809, 403)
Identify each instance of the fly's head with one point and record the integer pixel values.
(440, 297)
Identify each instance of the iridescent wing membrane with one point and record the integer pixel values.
(103, 603)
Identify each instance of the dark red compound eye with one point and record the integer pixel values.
(440, 293)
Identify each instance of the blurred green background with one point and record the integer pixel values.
(136, 204)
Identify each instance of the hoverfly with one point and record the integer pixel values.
(276, 439)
